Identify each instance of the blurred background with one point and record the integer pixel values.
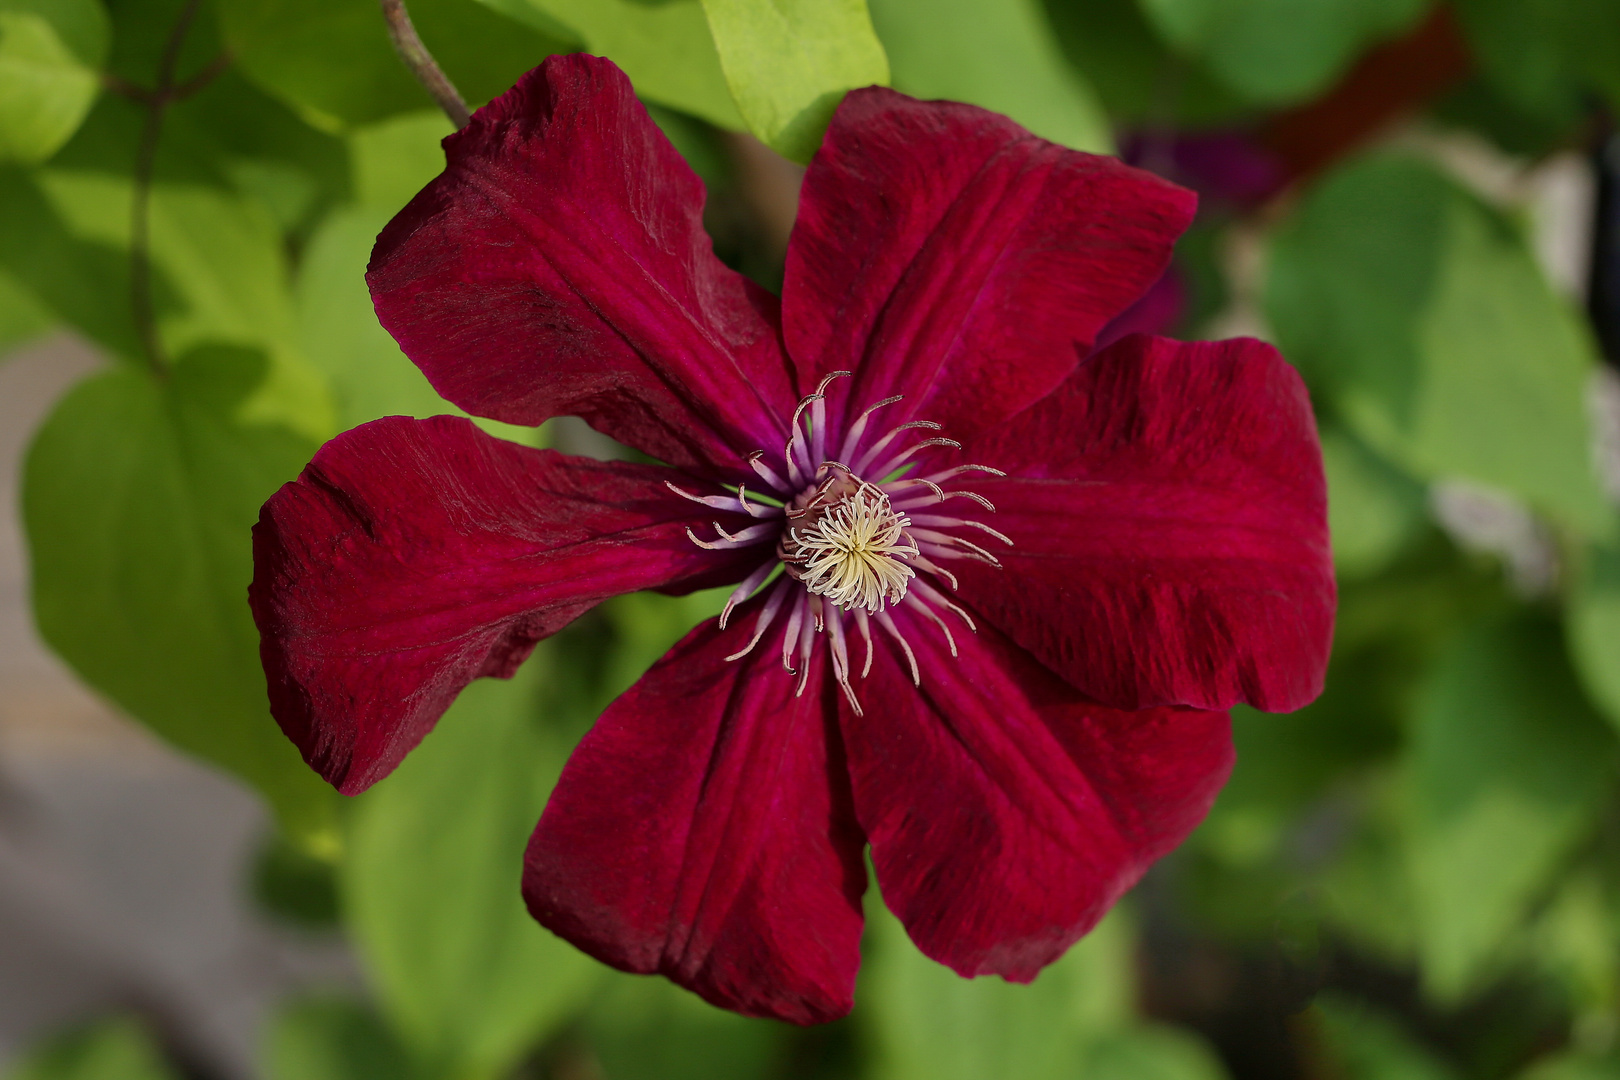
(1416, 878)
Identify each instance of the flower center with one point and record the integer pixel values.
(850, 551)
(844, 541)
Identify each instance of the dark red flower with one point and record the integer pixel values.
(1019, 590)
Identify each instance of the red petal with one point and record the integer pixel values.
(1169, 520)
(703, 829)
(1006, 813)
(412, 557)
(559, 265)
(944, 253)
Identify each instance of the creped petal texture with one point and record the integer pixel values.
(559, 266)
(944, 253)
(1169, 519)
(412, 557)
(1006, 813)
(703, 829)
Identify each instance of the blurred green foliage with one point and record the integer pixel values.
(117, 1048)
(1415, 878)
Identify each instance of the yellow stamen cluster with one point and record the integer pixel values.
(854, 552)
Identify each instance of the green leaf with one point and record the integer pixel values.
(925, 1022)
(1152, 1052)
(1593, 618)
(1508, 768)
(83, 283)
(1279, 51)
(1545, 57)
(230, 135)
(141, 32)
(1361, 1043)
(467, 978)
(999, 54)
(50, 53)
(114, 1049)
(331, 1038)
(1138, 80)
(332, 61)
(22, 316)
(1573, 1065)
(1575, 941)
(664, 46)
(1373, 510)
(643, 1028)
(138, 495)
(789, 63)
(1420, 317)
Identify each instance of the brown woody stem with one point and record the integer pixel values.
(421, 62)
(140, 240)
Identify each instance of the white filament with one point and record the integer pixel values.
(854, 555)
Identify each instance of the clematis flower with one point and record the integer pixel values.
(993, 593)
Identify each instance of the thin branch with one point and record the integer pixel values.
(123, 87)
(140, 240)
(216, 67)
(421, 62)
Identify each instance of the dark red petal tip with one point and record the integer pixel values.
(703, 829)
(945, 253)
(1169, 518)
(559, 266)
(1006, 813)
(412, 557)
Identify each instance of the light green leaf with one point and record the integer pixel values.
(331, 1038)
(332, 60)
(1279, 51)
(50, 55)
(370, 377)
(999, 54)
(664, 46)
(115, 1049)
(1373, 511)
(1508, 767)
(396, 158)
(789, 63)
(467, 978)
(1422, 319)
(1363, 1044)
(1593, 616)
(138, 497)
(221, 271)
(925, 1022)
(368, 374)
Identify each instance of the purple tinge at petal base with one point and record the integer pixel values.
(413, 556)
(703, 830)
(1007, 813)
(1168, 514)
(944, 253)
(559, 265)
